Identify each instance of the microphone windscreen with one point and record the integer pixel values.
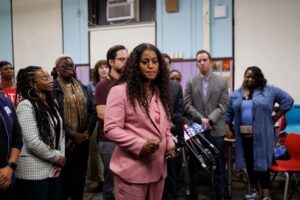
(179, 120)
(197, 120)
(179, 123)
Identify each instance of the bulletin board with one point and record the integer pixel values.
(224, 67)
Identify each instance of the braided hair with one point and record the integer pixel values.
(43, 112)
(132, 75)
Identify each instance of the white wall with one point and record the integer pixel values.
(37, 32)
(267, 34)
(101, 39)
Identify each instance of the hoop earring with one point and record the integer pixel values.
(30, 93)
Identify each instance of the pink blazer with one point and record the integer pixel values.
(130, 129)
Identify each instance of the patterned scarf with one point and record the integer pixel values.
(75, 109)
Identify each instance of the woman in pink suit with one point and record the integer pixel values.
(137, 120)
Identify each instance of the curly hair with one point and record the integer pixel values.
(43, 113)
(132, 75)
(260, 81)
(95, 73)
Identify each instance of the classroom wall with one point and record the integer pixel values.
(185, 31)
(75, 30)
(179, 31)
(267, 35)
(37, 32)
(221, 38)
(6, 50)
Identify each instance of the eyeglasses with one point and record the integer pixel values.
(69, 66)
(122, 59)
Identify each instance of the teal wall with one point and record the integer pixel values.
(75, 30)
(221, 31)
(176, 32)
(182, 31)
(6, 42)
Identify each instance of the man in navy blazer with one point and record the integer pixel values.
(206, 97)
(174, 164)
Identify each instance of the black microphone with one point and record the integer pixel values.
(179, 120)
(199, 129)
(197, 120)
(179, 123)
(188, 132)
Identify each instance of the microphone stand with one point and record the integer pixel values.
(190, 145)
(184, 165)
(209, 167)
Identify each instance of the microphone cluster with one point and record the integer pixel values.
(193, 138)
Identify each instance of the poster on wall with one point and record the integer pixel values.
(223, 67)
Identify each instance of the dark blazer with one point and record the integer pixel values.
(176, 98)
(213, 106)
(10, 130)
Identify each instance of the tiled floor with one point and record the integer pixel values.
(239, 187)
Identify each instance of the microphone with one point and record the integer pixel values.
(179, 120)
(199, 129)
(179, 123)
(185, 135)
(191, 135)
(197, 120)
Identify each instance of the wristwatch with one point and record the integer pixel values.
(12, 165)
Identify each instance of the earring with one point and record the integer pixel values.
(33, 92)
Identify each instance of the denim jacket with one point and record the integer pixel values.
(263, 126)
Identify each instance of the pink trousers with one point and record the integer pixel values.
(132, 191)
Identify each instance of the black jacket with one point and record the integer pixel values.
(176, 98)
(10, 130)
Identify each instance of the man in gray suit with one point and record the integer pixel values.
(206, 97)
